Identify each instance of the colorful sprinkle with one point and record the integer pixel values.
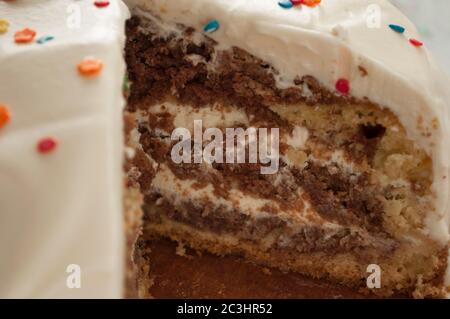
(90, 67)
(416, 42)
(4, 25)
(5, 116)
(343, 86)
(211, 26)
(45, 39)
(309, 3)
(285, 4)
(46, 145)
(101, 4)
(25, 36)
(397, 28)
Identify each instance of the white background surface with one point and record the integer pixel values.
(432, 18)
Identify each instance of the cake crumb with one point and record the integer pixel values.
(181, 250)
(267, 271)
(362, 71)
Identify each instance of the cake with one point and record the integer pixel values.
(308, 136)
(362, 176)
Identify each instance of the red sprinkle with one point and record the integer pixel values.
(46, 145)
(297, 2)
(101, 4)
(343, 86)
(416, 43)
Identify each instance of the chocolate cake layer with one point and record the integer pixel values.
(158, 67)
(273, 230)
(337, 196)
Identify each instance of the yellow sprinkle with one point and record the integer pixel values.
(4, 24)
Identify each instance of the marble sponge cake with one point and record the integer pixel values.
(362, 112)
(343, 106)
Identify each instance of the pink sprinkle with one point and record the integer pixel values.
(343, 86)
(47, 145)
(416, 43)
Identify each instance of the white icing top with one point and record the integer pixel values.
(64, 207)
(329, 42)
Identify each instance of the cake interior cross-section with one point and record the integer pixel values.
(352, 188)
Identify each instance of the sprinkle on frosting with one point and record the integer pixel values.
(397, 28)
(5, 115)
(101, 4)
(46, 145)
(286, 4)
(211, 26)
(45, 39)
(90, 67)
(343, 86)
(416, 42)
(309, 3)
(4, 25)
(25, 36)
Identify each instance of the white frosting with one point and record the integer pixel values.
(64, 207)
(329, 42)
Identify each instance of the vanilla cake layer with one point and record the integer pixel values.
(351, 189)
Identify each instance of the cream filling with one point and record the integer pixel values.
(182, 191)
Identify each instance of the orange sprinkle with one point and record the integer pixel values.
(311, 3)
(5, 115)
(90, 67)
(25, 36)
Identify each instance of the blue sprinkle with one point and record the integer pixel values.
(211, 26)
(45, 39)
(286, 4)
(397, 28)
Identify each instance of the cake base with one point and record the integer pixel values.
(177, 272)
